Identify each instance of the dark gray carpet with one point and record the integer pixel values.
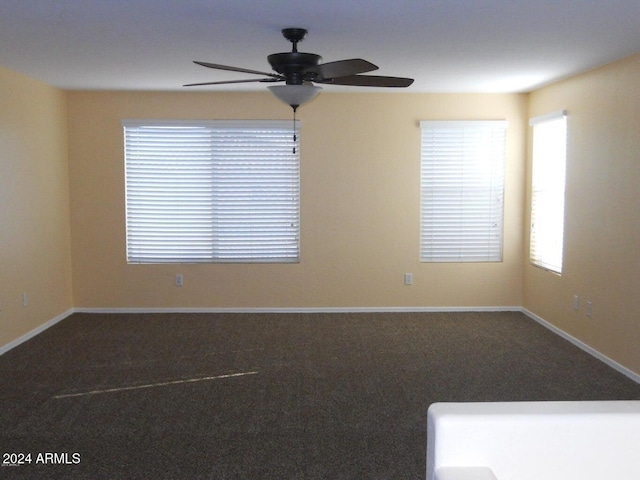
(321, 396)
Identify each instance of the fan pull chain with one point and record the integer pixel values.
(295, 137)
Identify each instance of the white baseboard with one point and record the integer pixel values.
(300, 310)
(583, 346)
(35, 331)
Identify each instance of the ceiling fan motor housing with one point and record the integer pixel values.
(293, 65)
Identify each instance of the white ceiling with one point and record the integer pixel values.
(446, 45)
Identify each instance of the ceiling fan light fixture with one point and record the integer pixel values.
(295, 95)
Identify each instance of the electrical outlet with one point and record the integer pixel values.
(576, 302)
(25, 299)
(408, 278)
(178, 280)
(589, 309)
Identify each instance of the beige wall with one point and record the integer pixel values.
(360, 206)
(602, 217)
(35, 255)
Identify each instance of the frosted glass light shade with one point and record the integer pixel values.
(295, 95)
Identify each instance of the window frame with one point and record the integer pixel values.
(548, 186)
(450, 165)
(260, 160)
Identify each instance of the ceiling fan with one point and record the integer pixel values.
(301, 70)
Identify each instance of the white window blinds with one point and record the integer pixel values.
(211, 191)
(462, 190)
(547, 190)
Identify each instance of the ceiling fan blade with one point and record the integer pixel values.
(341, 68)
(235, 69)
(223, 82)
(369, 81)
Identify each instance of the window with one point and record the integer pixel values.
(462, 191)
(547, 190)
(211, 191)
